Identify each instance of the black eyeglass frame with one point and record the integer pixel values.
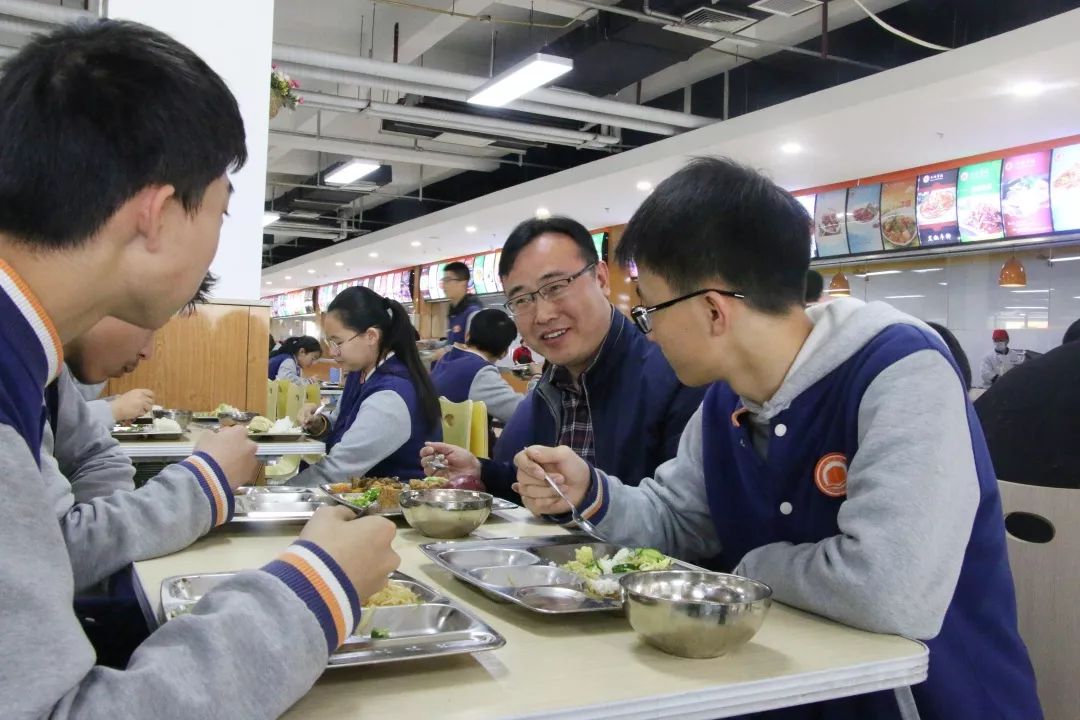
(640, 313)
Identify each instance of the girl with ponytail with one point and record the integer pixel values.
(388, 409)
(293, 355)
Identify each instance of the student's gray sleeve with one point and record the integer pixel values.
(382, 425)
(288, 371)
(912, 494)
(489, 387)
(101, 412)
(669, 512)
(211, 664)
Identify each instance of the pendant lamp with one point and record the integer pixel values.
(1013, 274)
(839, 284)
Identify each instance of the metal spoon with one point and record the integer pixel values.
(578, 519)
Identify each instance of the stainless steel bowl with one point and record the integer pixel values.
(239, 418)
(694, 614)
(182, 417)
(445, 513)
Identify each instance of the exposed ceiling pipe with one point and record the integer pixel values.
(386, 153)
(23, 27)
(348, 78)
(6, 52)
(40, 12)
(469, 83)
(453, 120)
(663, 19)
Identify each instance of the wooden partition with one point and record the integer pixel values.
(218, 355)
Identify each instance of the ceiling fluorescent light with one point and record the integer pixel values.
(1065, 259)
(1021, 292)
(534, 71)
(902, 297)
(1025, 307)
(270, 217)
(878, 272)
(926, 270)
(351, 171)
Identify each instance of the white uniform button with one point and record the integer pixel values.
(780, 430)
(786, 508)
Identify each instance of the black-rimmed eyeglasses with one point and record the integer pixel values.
(641, 313)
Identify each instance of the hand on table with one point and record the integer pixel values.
(361, 546)
(234, 452)
(569, 472)
(132, 404)
(461, 461)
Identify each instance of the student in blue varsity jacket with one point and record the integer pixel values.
(388, 408)
(292, 356)
(136, 249)
(468, 371)
(607, 392)
(463, 304)
(835, 457)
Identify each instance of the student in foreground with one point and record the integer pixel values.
(835, 456)
(137, 249)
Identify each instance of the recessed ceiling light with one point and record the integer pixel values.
(644, 185)
(288, 277)
(943, 283)
(543, 213)
(534, 71)
(269, 283)
(415, 243)
(339, 264)
(270, 217)
(1028, 89)
(791, 148)
(351, 171)
(373, 254)
(311, 271)
(470, 228)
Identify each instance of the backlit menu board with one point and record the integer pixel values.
(290, 304)
(1065, 188)
(864, 218)
(829, 223)
(1025, 194)
(978, 202)
(479, 277)
(807, 201)
(598, 240)
(482, 268)
(899, 228)
(935, 208)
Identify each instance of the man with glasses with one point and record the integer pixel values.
(606, 392)
(835, 456)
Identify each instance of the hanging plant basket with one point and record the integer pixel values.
(275, 105)
(282, 92)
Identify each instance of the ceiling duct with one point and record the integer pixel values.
(713, 19)
(787, 8)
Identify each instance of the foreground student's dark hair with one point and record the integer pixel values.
(360, 308)
(292, 345)
(815, 285)
(491, 331)
(529, 230)
(101, 110)
(716, 219)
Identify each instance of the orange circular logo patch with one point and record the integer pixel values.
(830, 475)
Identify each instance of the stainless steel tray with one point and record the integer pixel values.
(279, 437)
(523, 570)
(139, 432)
(434, 628)
(277, 504)
(496, 504)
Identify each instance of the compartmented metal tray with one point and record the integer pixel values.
(434, 628)
(144, 432)
(524, 570)
(496, 504)
(277, 504)
(279, 437)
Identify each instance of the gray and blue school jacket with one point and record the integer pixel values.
(862, 491)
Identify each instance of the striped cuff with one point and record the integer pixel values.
(212, 481)
(323, 586)
(595, 504)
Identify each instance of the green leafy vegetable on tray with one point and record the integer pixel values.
(380, 634)
(361, 500)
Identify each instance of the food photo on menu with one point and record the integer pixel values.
(808, 202)
(864, 218)
(829, 224)
(1065, 188)
(1025, 194)
(978, 202)
(899, 229)
(935, 208)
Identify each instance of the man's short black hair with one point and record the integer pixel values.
(529, 230)
(459, 270)
(491, 331)
(718, 220)
(95, 112)
(815, 285)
